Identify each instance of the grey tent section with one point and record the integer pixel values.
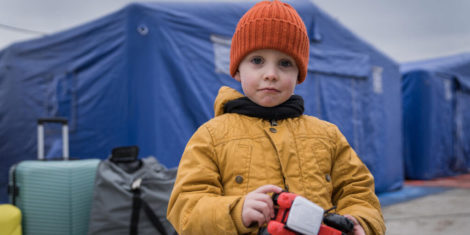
(148, 75)
(436, 117)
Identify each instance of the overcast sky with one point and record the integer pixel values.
(405, 30)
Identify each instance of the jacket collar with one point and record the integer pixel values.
(225, 95)
(229, 101)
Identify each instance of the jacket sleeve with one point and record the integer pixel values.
(197, 204)
(353, 188)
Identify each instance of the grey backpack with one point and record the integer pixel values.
(131, 195)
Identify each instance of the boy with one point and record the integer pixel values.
(262, 143)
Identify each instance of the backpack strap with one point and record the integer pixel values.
(137, 204)
(153, 218)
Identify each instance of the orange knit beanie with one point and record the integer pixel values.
(271, 25)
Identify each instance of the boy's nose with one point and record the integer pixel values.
(270, 73)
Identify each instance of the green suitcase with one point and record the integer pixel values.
(54, 196)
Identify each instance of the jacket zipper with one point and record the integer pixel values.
(274, 123)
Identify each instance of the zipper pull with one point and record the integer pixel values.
(136, 184)
(273, 122)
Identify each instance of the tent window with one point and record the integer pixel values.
(447, 89)
(62, 98)
(221, 47)
(377, 79)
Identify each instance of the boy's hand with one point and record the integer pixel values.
(258, 206)
(358, 230)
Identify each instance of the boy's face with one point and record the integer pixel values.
(268, 77)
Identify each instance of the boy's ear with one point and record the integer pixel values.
(237, 76)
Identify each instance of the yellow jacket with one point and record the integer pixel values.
(233, 154)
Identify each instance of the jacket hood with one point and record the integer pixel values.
(225, 95)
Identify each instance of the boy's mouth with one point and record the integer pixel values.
(269, 89)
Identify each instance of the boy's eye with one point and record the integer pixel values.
(285, 63)
(257, 60)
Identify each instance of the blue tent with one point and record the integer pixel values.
(148, 75)
(436, 117)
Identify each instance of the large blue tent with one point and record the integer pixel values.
(148, 75)
(436, 117)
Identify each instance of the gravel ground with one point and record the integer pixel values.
(443, 213)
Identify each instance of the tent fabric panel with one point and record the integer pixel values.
(462, 132)
(428, 126)
(446, 141)
(147, 75)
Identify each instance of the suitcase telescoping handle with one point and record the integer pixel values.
(65, 136)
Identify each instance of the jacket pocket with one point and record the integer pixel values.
(323, 177)
(236, 176)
